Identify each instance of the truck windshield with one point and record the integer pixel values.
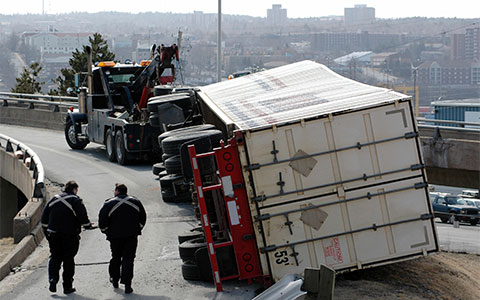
(122, 78)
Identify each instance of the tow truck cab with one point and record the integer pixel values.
(109, 115)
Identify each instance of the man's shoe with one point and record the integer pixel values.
(53, 286)
(114, 283)
(69, 290)
(128, 289)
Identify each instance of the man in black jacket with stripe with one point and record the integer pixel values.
(62, 219)
(122, 219)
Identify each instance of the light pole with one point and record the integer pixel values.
(417, 105)
(219, 42)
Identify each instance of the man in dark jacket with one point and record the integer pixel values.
(122, 219)
(62, 219)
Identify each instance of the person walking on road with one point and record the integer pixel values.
(62, 219)
(122, 219)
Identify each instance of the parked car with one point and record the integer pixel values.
(470, 194)
(445, 206)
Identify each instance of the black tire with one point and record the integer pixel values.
(184, 130)
(157, 168)
(169, 196)
(187, 249)
(110, 145)
(166, 156)
(190, 235)
(173, 165)
(120, 151)
(154, 120)
(444, 220)
(171, 145)
(166, 182)
(71, 138)
(474, 222)
(161, 90)
(190, 271)
(182, 100)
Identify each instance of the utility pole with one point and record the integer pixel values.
(415, 69)
(43, 7)
(219, 42)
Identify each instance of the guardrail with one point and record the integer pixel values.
(460, 124)
(33, 99)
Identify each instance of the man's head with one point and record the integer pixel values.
(71, 187)
(120, 189)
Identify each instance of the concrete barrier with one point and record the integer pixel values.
(32, 117)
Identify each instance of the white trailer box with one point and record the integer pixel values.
(333, 169)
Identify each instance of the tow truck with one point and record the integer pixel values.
(113, 111)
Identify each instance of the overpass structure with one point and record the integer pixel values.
(22, 196)
(451, 154)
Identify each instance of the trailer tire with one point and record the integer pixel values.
(71, 137)
(169, 196)
(190, 271)
(190, 235)
(120, 151)
(110, 145)
(173, 165)
(182, 130)
(154, 120)
(171, 145)
(167, 181)
(187, 249)
(157, 168)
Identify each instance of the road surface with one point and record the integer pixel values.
(157, 267)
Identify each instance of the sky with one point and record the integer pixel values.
(257, 8)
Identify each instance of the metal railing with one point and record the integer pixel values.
(11, 145)
(55, 102)
(461, 124)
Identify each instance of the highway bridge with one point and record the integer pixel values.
(158, 273)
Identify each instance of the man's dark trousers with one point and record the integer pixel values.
(123, 255)
(63, 248)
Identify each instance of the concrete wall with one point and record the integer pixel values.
(8, 207)
(41, 118)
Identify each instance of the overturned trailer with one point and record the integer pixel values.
(318, 169)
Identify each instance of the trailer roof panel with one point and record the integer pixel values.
(289, 93)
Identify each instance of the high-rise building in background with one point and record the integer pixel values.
(466, 45)
(472, 43)
(277, 14)
(359, 14)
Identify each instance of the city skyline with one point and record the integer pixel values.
(296, 9)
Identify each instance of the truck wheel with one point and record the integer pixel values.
(171, 145)
(157, 168)
(190, 235)
(474, 222)
(183, 130)
(120, 151)
(444, 220)
(173, 165)
(71, 138)
(190, 271)
(169, 196)
(110, 145)
(187, 249)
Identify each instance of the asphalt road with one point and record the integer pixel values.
(158, 266)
